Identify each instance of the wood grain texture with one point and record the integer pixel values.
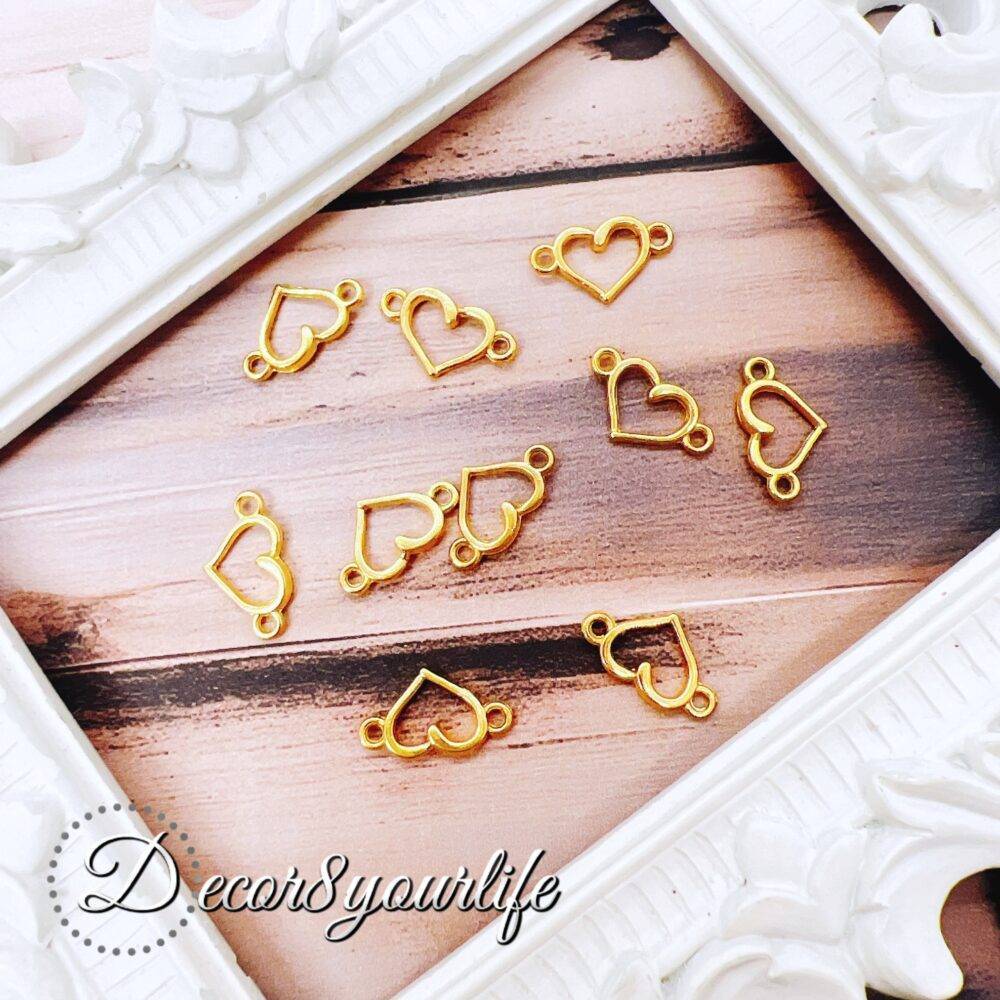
(618, 519)
(111, 505)
(623, 94)
(653, 101)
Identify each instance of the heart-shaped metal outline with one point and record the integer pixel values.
(497, 346)
(468, 550)
(377, 732)
(783, 483)
(261, 364)
(358, 576)
(269, 618)
(642, 677)
(548, 258)
(695, 437)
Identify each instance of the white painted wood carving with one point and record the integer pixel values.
(900, 127)
(244, 128)
(210, 77)
(50, 777)
(808, 857)
(936, 114)
(811, 855)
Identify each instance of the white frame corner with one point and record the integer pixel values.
(812, 853)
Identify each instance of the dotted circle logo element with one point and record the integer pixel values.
(61, 905)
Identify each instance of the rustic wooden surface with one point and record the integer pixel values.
(109, 507)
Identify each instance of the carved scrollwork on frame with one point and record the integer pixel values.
(52, 788)
(858, 906)
(938, 111)
(811, 856)
(208, 77)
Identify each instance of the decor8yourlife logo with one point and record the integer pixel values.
(118, 889)
(121, 890)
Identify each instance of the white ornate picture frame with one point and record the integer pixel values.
(243, 129)
(810, 855)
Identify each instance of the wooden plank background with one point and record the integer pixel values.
(109, 507)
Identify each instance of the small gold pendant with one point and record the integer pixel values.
(265, 361)
(269, 618)
(601, 630)
(358, 576)
(696, 438)
(468, 550)
(655, 239)
(378, 732)
(495, 345)
(783, 483)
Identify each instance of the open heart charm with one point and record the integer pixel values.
(783, 483)
(654, 239)
(695, 437)
(358, 576)
(265, 361)
(601, 630)
(495, 345)
(468, 550)
(269, 617)
(377, 732)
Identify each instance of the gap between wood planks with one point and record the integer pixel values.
(631, 50)
(760, 154)
(506, 625)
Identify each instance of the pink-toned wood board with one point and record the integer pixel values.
(110, 506)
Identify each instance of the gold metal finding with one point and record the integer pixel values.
(269, 619)
(495, 345)
(601, 630)
(468, 550)
(655, 239)
(783, 482)
(695, 437)
(378, 732)
(265, 361)
(358, 576)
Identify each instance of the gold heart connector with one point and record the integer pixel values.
(495, 345)
(468, 550)
(655, 239)
(378, 732)
(782, 480)
(265, 361)
(696, 438)
(269, 617)
(601, 630)
(359, 575)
